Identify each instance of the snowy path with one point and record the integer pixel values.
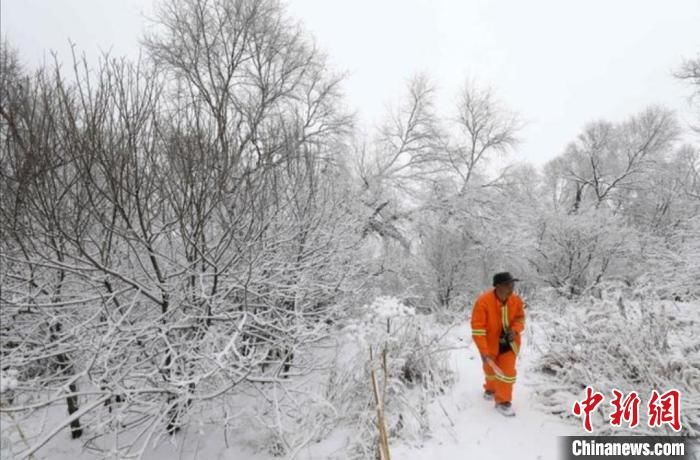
(475, 430)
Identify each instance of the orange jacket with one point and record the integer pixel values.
(489, 317)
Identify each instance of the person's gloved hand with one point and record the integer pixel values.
(486, 358)
(510, 335)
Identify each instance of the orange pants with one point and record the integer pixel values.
(502, 387)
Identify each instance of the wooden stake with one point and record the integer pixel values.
(384, 452)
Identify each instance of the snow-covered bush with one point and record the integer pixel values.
(575, 252)
(336, 396)
(408, 363)
(671, 262)
(617, 342)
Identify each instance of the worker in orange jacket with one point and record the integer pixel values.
(498, 320)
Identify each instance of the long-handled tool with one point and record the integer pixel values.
(497, 370)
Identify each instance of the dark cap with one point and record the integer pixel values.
(503, 277)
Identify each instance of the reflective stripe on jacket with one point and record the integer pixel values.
(490, 317)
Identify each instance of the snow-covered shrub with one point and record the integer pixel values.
(337, 394)
(575, 252)
(617, 342)
(671, 262)
(444, 262)
(413, 371)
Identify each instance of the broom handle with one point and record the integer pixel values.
(495, 368)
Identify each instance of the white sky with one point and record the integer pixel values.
(559, 64)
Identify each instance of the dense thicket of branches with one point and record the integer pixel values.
(175, 227)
